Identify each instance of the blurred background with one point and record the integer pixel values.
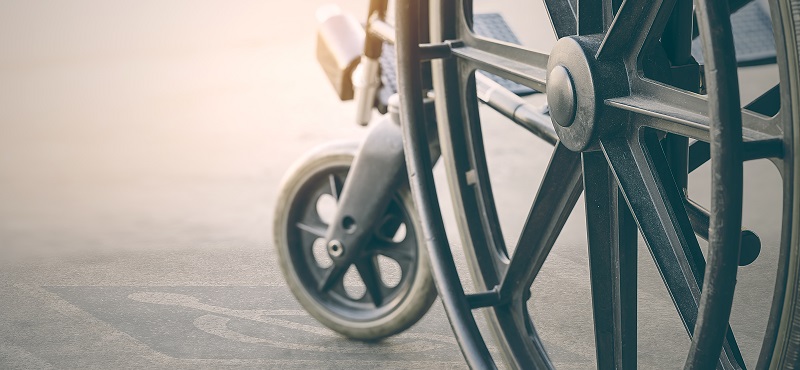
(151, 124)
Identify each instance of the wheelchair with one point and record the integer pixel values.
(640, 95)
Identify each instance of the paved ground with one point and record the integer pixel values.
(141, 149)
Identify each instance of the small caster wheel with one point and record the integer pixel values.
(384, 292)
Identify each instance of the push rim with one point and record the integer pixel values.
(647, 104)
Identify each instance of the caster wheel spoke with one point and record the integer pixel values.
(335, 186)
(332, 276)
(398, 252)
(371, 276)
(317, 231)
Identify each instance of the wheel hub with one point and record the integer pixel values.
(335, 248)
(561, 96)
(577, 85)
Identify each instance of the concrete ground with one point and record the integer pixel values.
(141, 151)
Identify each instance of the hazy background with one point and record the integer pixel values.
(131, 125)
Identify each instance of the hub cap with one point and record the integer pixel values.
(577, 84)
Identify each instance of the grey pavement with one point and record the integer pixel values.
(141, 149)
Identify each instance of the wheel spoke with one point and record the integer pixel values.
(513, 62)
(370, 275)
(768, 103)
(558, 193)
(636, 22)
(677, 111)
(643, 174)
(677, 37)
(389, 227)
(402, 253)
(612, 261)
(590, 17)
(336, 186)
(333, 275)
(700, 152)
(313, 230)
(562, 16)
(584, 18)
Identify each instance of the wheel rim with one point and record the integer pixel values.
(394, 240)
(656, 200)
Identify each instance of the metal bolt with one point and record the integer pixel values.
(335, 248)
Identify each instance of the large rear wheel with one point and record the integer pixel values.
(634, 114)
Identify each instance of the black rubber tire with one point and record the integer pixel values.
(416, 300)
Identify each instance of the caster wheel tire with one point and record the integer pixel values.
(399, 271)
